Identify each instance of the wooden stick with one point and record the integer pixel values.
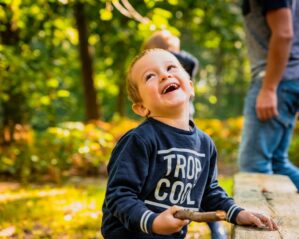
(201, 216)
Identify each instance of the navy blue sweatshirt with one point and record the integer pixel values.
(154, 167)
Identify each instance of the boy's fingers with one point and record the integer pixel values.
(181, 223)
(175, 208)
(275, 225)
(256, 221)
(271, 224)
(267, 221)
(186, 222)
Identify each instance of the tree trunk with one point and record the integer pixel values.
(122, 89)
(12, 110)
(91, 105)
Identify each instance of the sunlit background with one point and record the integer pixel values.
(63, 103)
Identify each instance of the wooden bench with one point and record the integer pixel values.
(272, 195)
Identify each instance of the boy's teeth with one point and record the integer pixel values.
(171, 85)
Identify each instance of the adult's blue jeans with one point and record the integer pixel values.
(264, 145)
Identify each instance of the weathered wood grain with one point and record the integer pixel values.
(272, 195)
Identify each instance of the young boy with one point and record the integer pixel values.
(166, 163)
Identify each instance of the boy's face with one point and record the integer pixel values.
(163, 84)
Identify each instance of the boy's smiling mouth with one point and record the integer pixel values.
(170, 87)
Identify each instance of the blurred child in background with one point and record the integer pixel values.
(165, 40)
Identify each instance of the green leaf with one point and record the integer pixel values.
(213, 99)
(53, 83)
(63, 93)
(105, 15)
(45, 100)
(162, 13)
(173, 2)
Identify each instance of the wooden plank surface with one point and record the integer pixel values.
(272, 195)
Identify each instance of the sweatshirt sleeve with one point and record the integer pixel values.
(127, 171)
(215, 198)
(189, 62)
(268, 5)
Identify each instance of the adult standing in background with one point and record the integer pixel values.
(272, 32)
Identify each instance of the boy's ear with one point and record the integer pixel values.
(140, 110)
(192, 88)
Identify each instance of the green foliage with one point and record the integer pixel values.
(40, 66)
(294, 146)
(226, 182)
(73, 148)
(69, 149)
(34, 66)
(82, 148)
(40, 83)
(220, 131)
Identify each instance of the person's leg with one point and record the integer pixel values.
(281, 163)
(264, 146)
(288, 106)
(217, 230)
(255, 152)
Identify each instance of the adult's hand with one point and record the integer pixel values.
(266, 104)
(281, 26)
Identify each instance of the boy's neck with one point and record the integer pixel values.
(180, 122)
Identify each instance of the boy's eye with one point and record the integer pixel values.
(171, 67)
(149, 76)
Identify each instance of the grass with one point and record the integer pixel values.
(69, 211)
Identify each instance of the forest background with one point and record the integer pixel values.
(63, 102)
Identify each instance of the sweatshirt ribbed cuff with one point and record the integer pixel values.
(146, 221)
(232, 213)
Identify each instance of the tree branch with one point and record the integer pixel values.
(201, 216)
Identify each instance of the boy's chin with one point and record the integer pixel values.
(176, 107)
(177, 102)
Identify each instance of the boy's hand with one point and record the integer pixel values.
(165, 223)
(255, 219)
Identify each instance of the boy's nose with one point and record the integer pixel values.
(165, 75)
